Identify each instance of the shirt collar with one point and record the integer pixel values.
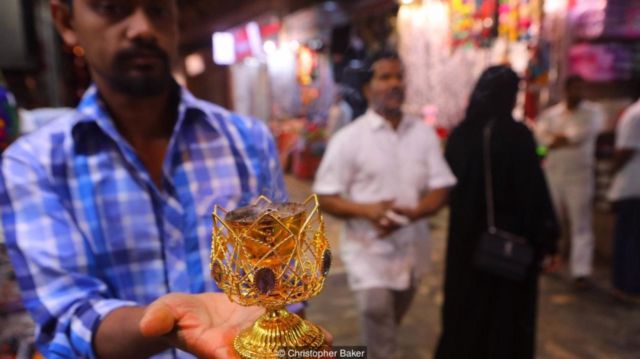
(92, 110)
(581, 106)
(377, 122)
(189, 104)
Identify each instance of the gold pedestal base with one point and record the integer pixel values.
(274, 331)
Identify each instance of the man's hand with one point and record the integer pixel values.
(202, 324)
(412, 213)
(551, 263)
(621, 157)
(429, 204)
(375, 212)
(559, 141)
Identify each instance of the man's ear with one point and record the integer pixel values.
(365, 90)
(63, 20)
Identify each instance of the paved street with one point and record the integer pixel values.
(572, 324)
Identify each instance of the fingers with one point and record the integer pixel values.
(384, 223)
(389, 222)
(551, 264)
(388, 203)
(400, 218)
(222, 311)
(408, 212)
(226, 353)
(375, 211)
(328, 337)
(158, 320)
(555, 265)
(383, 231)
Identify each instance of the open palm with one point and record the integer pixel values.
(201, 324)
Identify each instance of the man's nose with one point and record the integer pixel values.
(140, 26)
(397, 81)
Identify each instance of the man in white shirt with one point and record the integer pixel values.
(384, 173)
(569, 131)
(625, 195)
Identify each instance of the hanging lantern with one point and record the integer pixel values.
(307, 65)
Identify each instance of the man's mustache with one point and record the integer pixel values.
(397, 93)
(140, 50)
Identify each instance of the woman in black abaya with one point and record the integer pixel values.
(484, 315)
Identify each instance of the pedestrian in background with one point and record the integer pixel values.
(569, 131)
(107, 209)
(486, 316)
(625, 195)
(385, 174)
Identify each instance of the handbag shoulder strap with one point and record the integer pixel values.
(488, 178)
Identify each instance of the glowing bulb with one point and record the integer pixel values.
(294, 45)
(270, 47)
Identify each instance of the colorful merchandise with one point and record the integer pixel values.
(618, 19)
(472, 22)
(603, 62)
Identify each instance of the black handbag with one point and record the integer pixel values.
(499, 252)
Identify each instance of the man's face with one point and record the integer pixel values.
(385, 91)
(574, 94)
(129, 44)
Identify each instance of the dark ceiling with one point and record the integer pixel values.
(200, 18)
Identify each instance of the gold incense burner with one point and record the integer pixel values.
(270, 255)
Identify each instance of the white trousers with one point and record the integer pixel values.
(381, 312)
(573, 202)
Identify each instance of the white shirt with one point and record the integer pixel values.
(367, 161)
(626, 183)
(581, 127)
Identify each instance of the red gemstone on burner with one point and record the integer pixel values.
(217, 272)
(326, 262)
(264, 280)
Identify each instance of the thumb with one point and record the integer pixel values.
(399, 210)
(158, 320)
(387, 203)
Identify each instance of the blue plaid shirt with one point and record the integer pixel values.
(89, 231)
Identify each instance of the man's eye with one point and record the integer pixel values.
(112, 9)
(158, 10)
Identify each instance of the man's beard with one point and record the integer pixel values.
(397, 95)
(143, 85)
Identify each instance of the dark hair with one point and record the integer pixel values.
(636, 88)
(375, 57)
(494, 95)
(69, 4)
(572, 80)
